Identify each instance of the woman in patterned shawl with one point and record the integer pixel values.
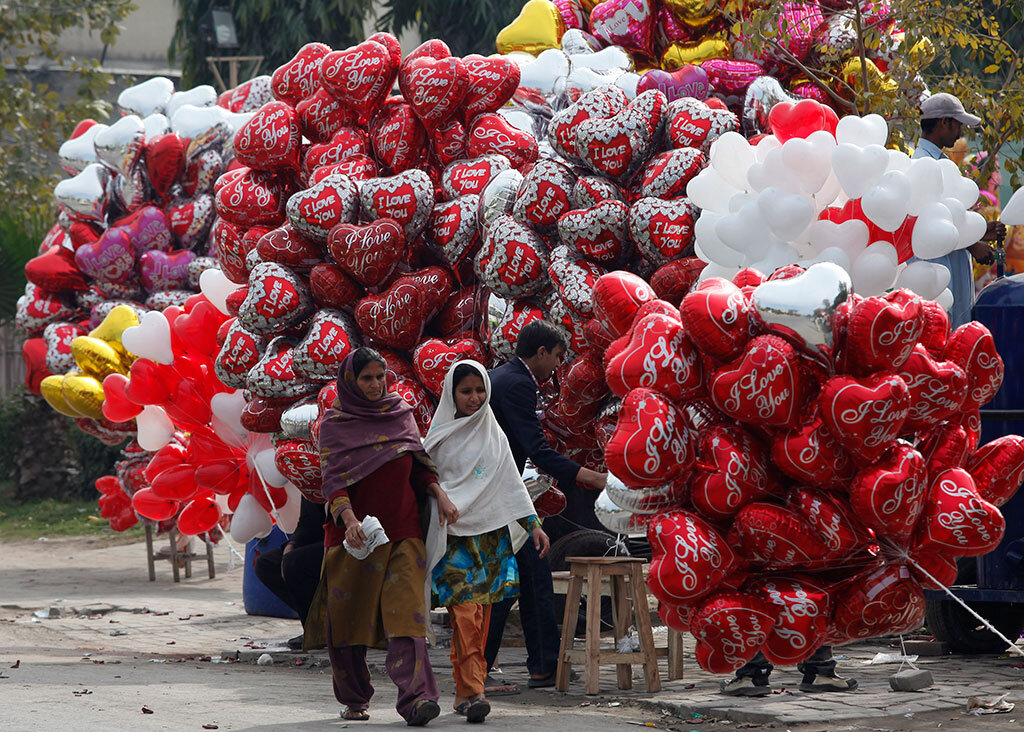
(478, 569)
(374, 465)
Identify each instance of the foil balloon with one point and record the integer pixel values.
(802, 308)
(762, 94)
(538, 27)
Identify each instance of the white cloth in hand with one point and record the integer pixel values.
(375, 537)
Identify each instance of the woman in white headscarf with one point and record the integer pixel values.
(478, 567)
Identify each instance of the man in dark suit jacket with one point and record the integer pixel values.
(514, 386)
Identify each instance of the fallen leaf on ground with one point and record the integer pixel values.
(16, 663)
(147, 710)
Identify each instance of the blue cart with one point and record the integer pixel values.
(993, 585)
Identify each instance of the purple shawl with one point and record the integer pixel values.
(359, 436)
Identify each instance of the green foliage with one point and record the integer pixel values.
(467, 26)
(19, 242)
(52, 517)
(274, 29)
(970, 49)
(34, 121)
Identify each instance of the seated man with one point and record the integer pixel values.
(292, 571)
(819, 675)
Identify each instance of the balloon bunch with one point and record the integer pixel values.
(132, 233)
(804, 460)
(822, 189)
(364, 235)
(701, 48)
(199, 463)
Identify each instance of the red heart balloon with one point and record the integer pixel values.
(492, 133)
(937, 389)
(322, 114)
(797, 119)
(294, 81)
(200, 515)
(33, 353)
(733, 471)
(598, 232)
(226, 245)
(55, 270)
(331, 287)
(398, 137)
(972, 348)
(116, 405)
(271, 139)
(882, 332)
(889, 495)
(492, 82)
(831, 519)
(776, 537)
(880, 601)
(165, 161)
(277, 299)
(730, 628)
(652, 443)
(148, 504)
(407, 197)
(418, 398)
(939, 565)
(313, 212)
(662, 230)
(801, 611)
(658, 356)
(251, 198)
(811, 455)
(764, 387)
(957, 519)
(434, 283)
(945, 446)
(395, 317)
(865, 414)
(434, 87)
(689, 558)
(433, 358)
(617, 297)
(596, 104)
(367, 253)
(346, 142)
(361, 76)
(998, 468)
(286, 247)
(717, 318)
(935, 331)
(274, 375)
(544, 194)
(299, 462)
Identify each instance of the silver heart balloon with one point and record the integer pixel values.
(543, 72)
(575, 41)
(85, 195)
(582, 80)
(156, 124)
(131, 188)
(201, 128)
(643, 500)
(613, 58)
(146, 98)
(619, 520)
(497, 197)
(79, 152)
(120, 145)
(628, 83)
(801, 308)
(199, 96)
(537, 483)
(763, 93)
(297, 420)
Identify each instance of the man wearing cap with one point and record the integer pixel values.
(943, 118)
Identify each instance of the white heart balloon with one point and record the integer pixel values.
(810, 159)
(851, 236)
(945, 299)
(787, 214)
(709, 191)
(801, 308)
(541, 73)
(203, 95)
(709, 247)
(886, 203)
(925, 177)
(934, 233)
(154, 427)
(78, 153)
(731, 156)
(264, 462)
(216, 286)
(874, 270)
(859, 168)
(1013, 211)
(927, 279)
(151, 338)
(288, 514)
(612, 58)
(147, 97)
(250, 521)
(227, 416)
(862, 131)
(743, 229)
(972, 229)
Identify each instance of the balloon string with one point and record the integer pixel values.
(234, 552)
(965, 606)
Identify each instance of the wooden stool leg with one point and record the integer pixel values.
(643, 628)
(572, 612)
(188, 560)
(675, 655)
(209, 557)
(174, 555)
(620, 609)
(150, 562)
(593, 641)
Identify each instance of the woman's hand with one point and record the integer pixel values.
(354, 534)
(541, 542)
(448, 513)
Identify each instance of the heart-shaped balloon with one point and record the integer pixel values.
(972, 348)
(765, 386)
(801, 616)
(598, 232)
(467, 177)
(653, 440)
(730, 628)
(667, 173)
(408, 198)
(659, 356)
(865, 414)
(322, 114)
(777, 537)
(299, 462)
(997, 466)
(716, 316)
(270, 140)
(454, 229)
(360, 76)
(880, 601)
(801, 308)
(957, 519)
(889, 495)
(492, 82)
(733, 472)
(395, 317)
(418, 398)
(662, 230)
(544, 195)
(318, 209)
(274, 375)
(433, 358)
(332, 335)
(811, 455)
(294, 81)
(937, 389)
(240, 351)
(398, 137)
(434, 87)
(689, 558)
(882, 332)
(367, 253)
(513, 260)
(250, 198)
(692, 123)
(493, 134)
(277, 299)
(617, 298)
(832, 520)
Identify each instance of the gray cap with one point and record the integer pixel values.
(940, 106)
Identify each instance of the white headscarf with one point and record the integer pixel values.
(475, 464)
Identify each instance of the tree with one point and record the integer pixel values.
(34, 119)
(467, 26)
(274, 29)
(971, 49)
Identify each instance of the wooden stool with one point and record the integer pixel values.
(174, 555)
(627, 585)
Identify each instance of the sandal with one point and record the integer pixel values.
(493, 687)
(355, 715)
(422, 712)
(461, 708)
(478, 711)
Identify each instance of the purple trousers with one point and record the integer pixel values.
(408, 666)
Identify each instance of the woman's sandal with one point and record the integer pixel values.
(494, 687)
(461, 708)
(355, 715)
(477, 711)
(422, 712)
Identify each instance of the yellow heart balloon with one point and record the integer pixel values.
(694, 13)
(922, 54)
(117, 321)
(878, 83)
(97, 358)
(84, 394)
(693, 52)
(538, 27)
(53, 392)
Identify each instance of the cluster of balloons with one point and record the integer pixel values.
(700, 48)
(803, 460)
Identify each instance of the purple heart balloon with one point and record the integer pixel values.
(165, 270)
(687, 81)
(148, 228)
(111, 258)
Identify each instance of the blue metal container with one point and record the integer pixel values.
(258, 599)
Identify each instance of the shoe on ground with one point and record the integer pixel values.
(823, 684)
(295, 643)
(477, 711)
(424, 711)
(745, 686)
